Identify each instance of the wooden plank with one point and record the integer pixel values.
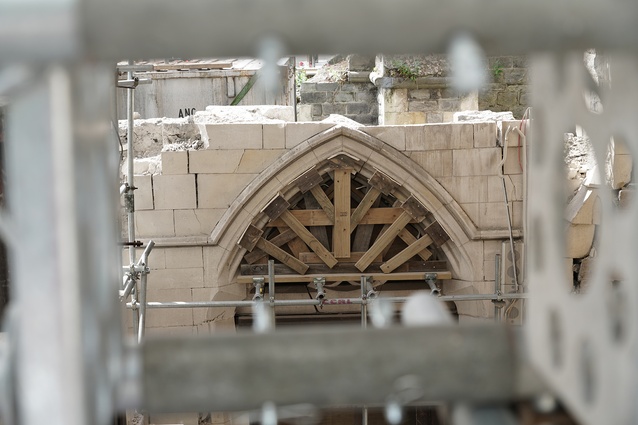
(309, 239)
(323, 201)
(282, 269)
(282, 238)
(276, 207)
(383, 241)
(308, 180)
(364, 206)
(343, 161)
(318, 217)
(319, 232)
(312, 258)
(363, 234)
(409, 238)
(250, 237)
(344, 277)
(282, 256)
(296, 245)
(437, 233)
(341, 229)
(415, 209)
(382, 182)
(409, 252)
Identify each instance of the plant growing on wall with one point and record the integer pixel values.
(497, 69)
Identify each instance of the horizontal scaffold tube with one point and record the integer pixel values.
(333, 301)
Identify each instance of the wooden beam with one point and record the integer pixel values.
(312, 258)
(319, 232)
(411, 266)
(282, 238)
(382, 182)
(341, 229)
(409, 238)
(437, 233)
(383, 241)
(296, 245)
(308, 180)
(364, 206)
(308, 238)
(318, 217)
(441, 275)
(282, 256)
(249, 238)
(276, 207)
(363, 233)
(324, 202)
(415, 209)
(406, 254)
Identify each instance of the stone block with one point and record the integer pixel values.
(493, 216)
(156, 261)
(584, 207)
(307, 87)
(170, 331)
(434, 117)
(165, 317)
(436, 163)
(395, 100)
(489, 271)
(515, 76)
(196, 222)
(274, 136)
(316, 110)
(327, 86)
(154, 223)
(466, 189)
(423, 105)
(578, 240)
(214, 161)
(174, 418)
(143, 193)
(620, 170)
(403, 118)
(344, 97)
(304, 113)
(512, 164)
(174, 192)
(452, 105)
(175, 162)
(475, 162)
(513, 185)
(184, 257)
(332, 108)
(419, 94)
(220, 190)
(299, 132)
(232, 136)
(369, 97)
(392, 135)
(625, 197)
(440, 136)
(472, 211)
(357, 108)
(177, 278)
(256, 161)
(315, 97)
(484, 135)
(507, 98)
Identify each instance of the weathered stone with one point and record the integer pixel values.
(186, 257)
(214, 161)
(333, 108)
(357, 108)
(475, 162)
(423, 105)
(484, 134)
(392, 135)
(175, 162)
(154, 223)
(403, 118)
(584, 207)
(232, 136)
(143, 193)
(507, 98)
(449, 104)
(515, 76)
(189, 277)
(255, 161)
(620, 170)
(343, 97)
(367, 96)
(174, 192)
(274, 136)
(163, 317)
(395, 100)
(196, 222)
(625, 197)
(314, 97)
(304, 113)
(419, 94)
(220, 190)
(436, 163)
(579, 239)
(434, 117)
(316, 110)
(327, 86)
(299, 132)
(466, 190)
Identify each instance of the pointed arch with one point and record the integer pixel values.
(371, 154)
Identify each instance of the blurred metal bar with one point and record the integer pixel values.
(42, 30)
(341, 366)
(61, 169)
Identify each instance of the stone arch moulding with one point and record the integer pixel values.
(371, 154)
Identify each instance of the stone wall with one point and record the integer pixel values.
(509, 89)
(355, 100)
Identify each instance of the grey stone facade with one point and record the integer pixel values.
(354, 100)
(509, 89)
